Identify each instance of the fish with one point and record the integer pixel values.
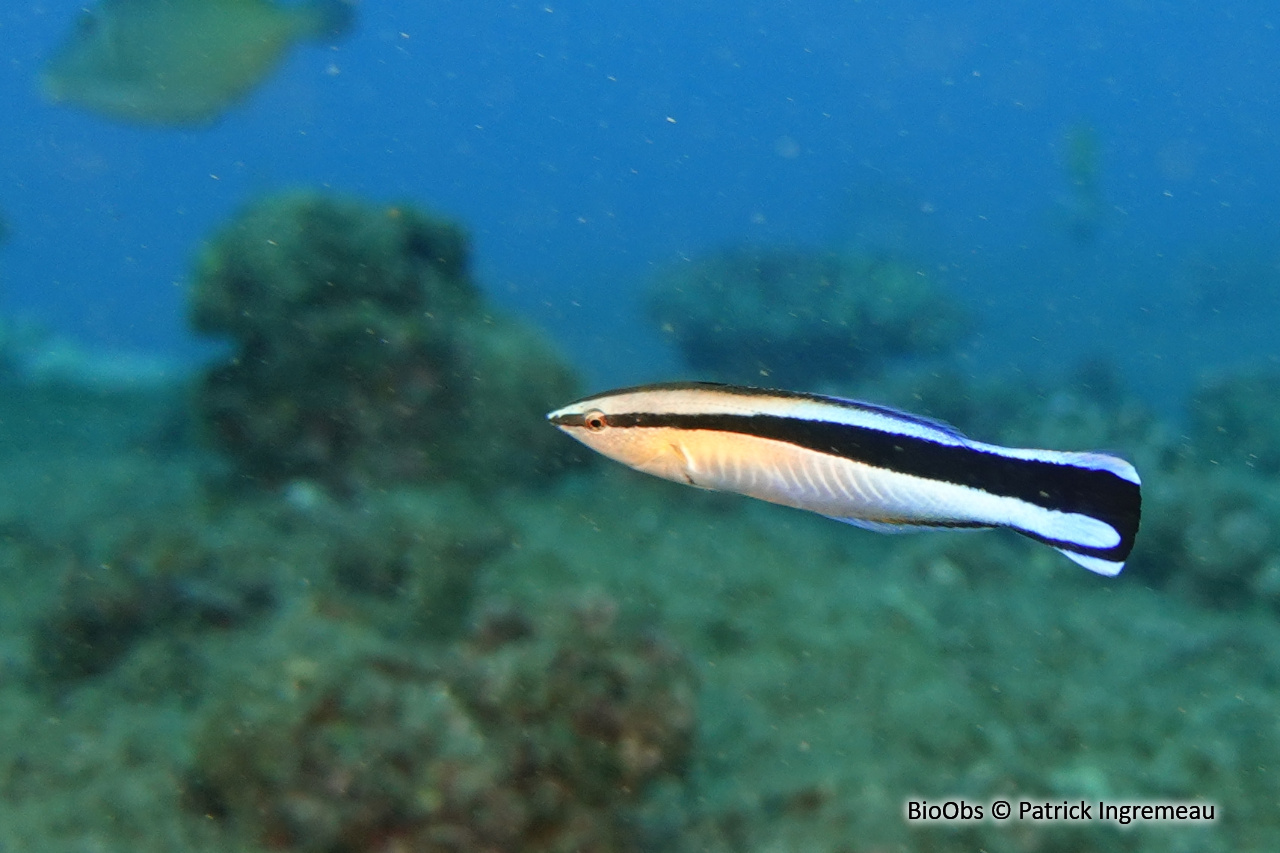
(180, 63)
(863, 464)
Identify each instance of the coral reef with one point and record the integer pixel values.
(529, 735)
(796, 318)
(363, 352)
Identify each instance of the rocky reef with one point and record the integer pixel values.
(351, 680)
(797, 318)
(400, 647)
(610, 662)
(409, 562)
(530, 734)
(352, 685)
(363, 352)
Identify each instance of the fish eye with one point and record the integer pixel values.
(594, 420)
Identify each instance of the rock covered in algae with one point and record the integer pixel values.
(797, 318)
(408, 562)
(364, 353)
(530, 735)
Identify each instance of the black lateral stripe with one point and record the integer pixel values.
(1067, 488)
(776, 394)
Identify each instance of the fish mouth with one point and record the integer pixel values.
(566, 420)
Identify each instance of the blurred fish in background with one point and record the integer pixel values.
(181, 62)
(1082, 213)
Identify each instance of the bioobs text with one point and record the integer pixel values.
(948, 810)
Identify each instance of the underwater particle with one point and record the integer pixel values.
(180, 62)
(795, 317)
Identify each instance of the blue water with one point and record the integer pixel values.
(585, 144)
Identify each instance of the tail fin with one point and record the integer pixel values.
(1087, 505)
(1099, 514)
(1101, 565)
(329, 19)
